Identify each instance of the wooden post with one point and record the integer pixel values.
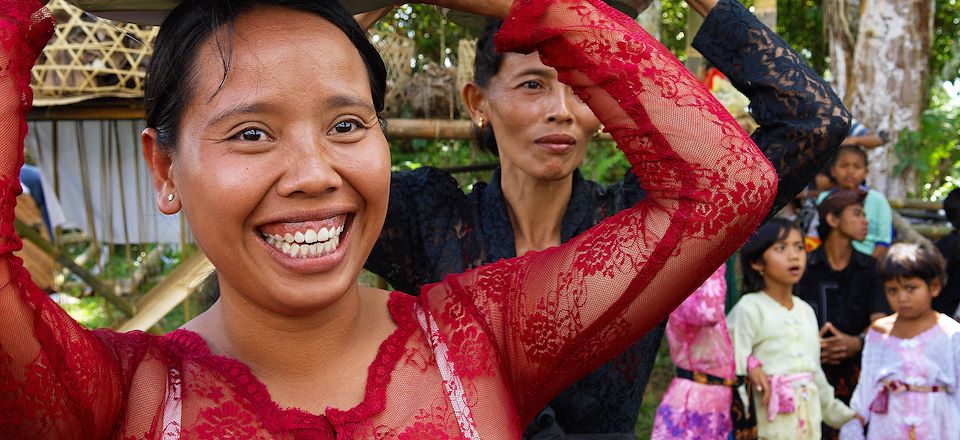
(99, 287)
(766, 11)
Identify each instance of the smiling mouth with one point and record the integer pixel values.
(308, 239)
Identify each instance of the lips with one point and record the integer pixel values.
(558, 143)
(557, 139)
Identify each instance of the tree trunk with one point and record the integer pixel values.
(841, 19)
(890, 72)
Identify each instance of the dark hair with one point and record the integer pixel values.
(752, 251)
(908, 260)
(172, 72)
(850, 148)
(485, 67)
(951, 207)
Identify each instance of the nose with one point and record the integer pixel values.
(308, 170)
(562, 102)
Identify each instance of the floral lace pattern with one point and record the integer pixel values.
(525, 328)
(433, 229)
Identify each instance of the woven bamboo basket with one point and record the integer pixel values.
(89, 57)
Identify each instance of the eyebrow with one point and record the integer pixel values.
(349, 101)
(536, 71)
(263, 107)
(246, 109)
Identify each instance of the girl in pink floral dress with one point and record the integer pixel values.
(911, 359)
(697, 404)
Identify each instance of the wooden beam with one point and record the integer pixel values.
(100, 287)
(916, 204)
(179, 284)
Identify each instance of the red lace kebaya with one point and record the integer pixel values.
(476, 355)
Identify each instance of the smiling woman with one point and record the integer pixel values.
(264, 132)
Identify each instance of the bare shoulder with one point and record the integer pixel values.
(884, 325)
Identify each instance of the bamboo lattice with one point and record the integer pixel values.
(89, 57)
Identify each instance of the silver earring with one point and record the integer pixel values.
(170, 197)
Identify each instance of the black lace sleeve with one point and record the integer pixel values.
(802, 121)
(426, 198)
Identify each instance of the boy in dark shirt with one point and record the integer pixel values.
(949, 246)
(842, 286)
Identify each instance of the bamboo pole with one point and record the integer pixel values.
(925, 205)
(99, 287)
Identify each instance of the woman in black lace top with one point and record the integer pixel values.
(537, 198)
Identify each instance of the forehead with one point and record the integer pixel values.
(519, 64)
(853, 207)
(271, 50)
(848, 156)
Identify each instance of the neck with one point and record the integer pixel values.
(780, 292)
(536, 208)
(838, 250)
(276, 346)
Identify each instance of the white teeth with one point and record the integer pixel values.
(309, 244)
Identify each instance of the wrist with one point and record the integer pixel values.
(753, 363)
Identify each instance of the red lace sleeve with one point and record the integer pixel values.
(55, 378)
(555, 315)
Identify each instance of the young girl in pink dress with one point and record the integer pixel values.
(697, 404)
(911, 359)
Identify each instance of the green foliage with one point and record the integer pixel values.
(932, 151)
(800, 23)
(945, 53)
(436, 38)
(673, 24)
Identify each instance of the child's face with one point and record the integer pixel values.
(785, 261)
(852, 222)
(850, 170)
(910, 297)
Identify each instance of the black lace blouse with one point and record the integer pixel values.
(433, 229)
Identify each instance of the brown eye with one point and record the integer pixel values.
(347, 126)
(250, 135)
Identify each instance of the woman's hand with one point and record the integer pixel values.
(838, 346)
(760, 384)
(488, 8)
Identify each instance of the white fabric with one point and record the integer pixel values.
(118, 188)
(451, 381)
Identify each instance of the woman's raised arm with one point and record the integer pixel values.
(57, 380)
(558, 314)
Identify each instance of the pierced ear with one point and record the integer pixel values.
(474, 98)
(160, 164)
(757, 266)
